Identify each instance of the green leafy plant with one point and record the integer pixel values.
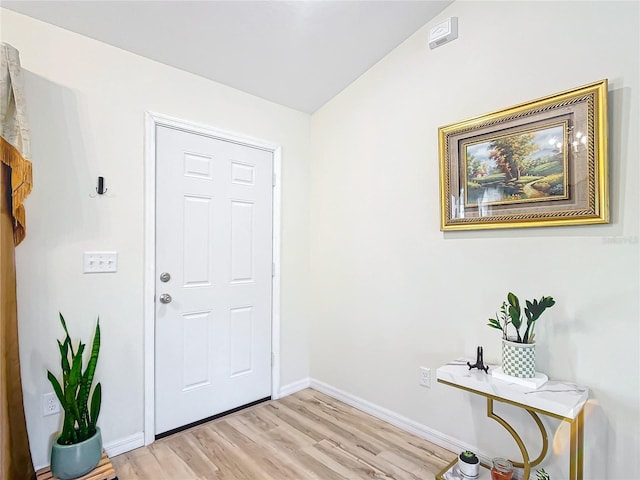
(80, 416)
(511, 314)
(469, 457)
(542, 475)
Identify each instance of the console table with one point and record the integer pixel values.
(561, 400)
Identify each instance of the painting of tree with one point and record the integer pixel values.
(512, 154)
(540, 163)
(518, 167)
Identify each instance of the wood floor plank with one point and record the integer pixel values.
(364, 423)
(378, 462)
(325, 427)
(291, 455)
(143, 463)
(255, 452)
(287, 438)
(416, 468)
(187, 447)
(305, 436)
(172, 464)
(354, 425)
(351, 464)
(369, 431)
(405, 444)
(231, 464)
(334, 469)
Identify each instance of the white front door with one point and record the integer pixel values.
(214, 275)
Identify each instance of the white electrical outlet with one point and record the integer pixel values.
(425, 377)
(50, 404)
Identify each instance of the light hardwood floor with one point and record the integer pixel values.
(307, 435)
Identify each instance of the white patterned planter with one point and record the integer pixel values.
(519, 359)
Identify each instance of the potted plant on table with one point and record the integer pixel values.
(78, 448)
(542, 475)
(469, 464)
(518, 352)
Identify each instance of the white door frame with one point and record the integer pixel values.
(151, 121)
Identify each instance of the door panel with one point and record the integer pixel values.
(214, 237)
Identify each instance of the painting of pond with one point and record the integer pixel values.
(522, 167)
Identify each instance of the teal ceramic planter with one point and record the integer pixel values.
(73, 461)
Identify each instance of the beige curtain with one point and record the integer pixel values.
(15, 185)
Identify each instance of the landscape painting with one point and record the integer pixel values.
(527, 166)
(542, 163)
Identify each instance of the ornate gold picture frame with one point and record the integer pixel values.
(540, 163)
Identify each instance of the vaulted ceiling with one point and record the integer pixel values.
(295, 53)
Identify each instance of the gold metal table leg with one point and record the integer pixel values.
(526, 463)
(545, 442)
(576, 448)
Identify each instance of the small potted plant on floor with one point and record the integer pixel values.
(78, 448)
(518, 352)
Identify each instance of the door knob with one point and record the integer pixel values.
(165, 277)
(165, 298)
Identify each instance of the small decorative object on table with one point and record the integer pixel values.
(518, 352)
(469, 464)
(479, 362)
(542, 475)
(502, 469)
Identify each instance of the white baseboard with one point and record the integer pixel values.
(294, 387)
(124, 444)
(404, 423)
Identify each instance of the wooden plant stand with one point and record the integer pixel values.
(104, 471)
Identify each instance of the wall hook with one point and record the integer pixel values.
(100, 190)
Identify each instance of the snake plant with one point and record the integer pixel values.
(80, 416)
(511, 313)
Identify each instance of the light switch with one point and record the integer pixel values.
(100, 262)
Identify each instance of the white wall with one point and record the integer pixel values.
(391, 292)
(86, 103)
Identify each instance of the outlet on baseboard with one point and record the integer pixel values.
(50, 404)
(425, 377)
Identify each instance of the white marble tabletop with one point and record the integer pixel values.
(559, 398)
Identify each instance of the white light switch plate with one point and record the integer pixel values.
(100, 262)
